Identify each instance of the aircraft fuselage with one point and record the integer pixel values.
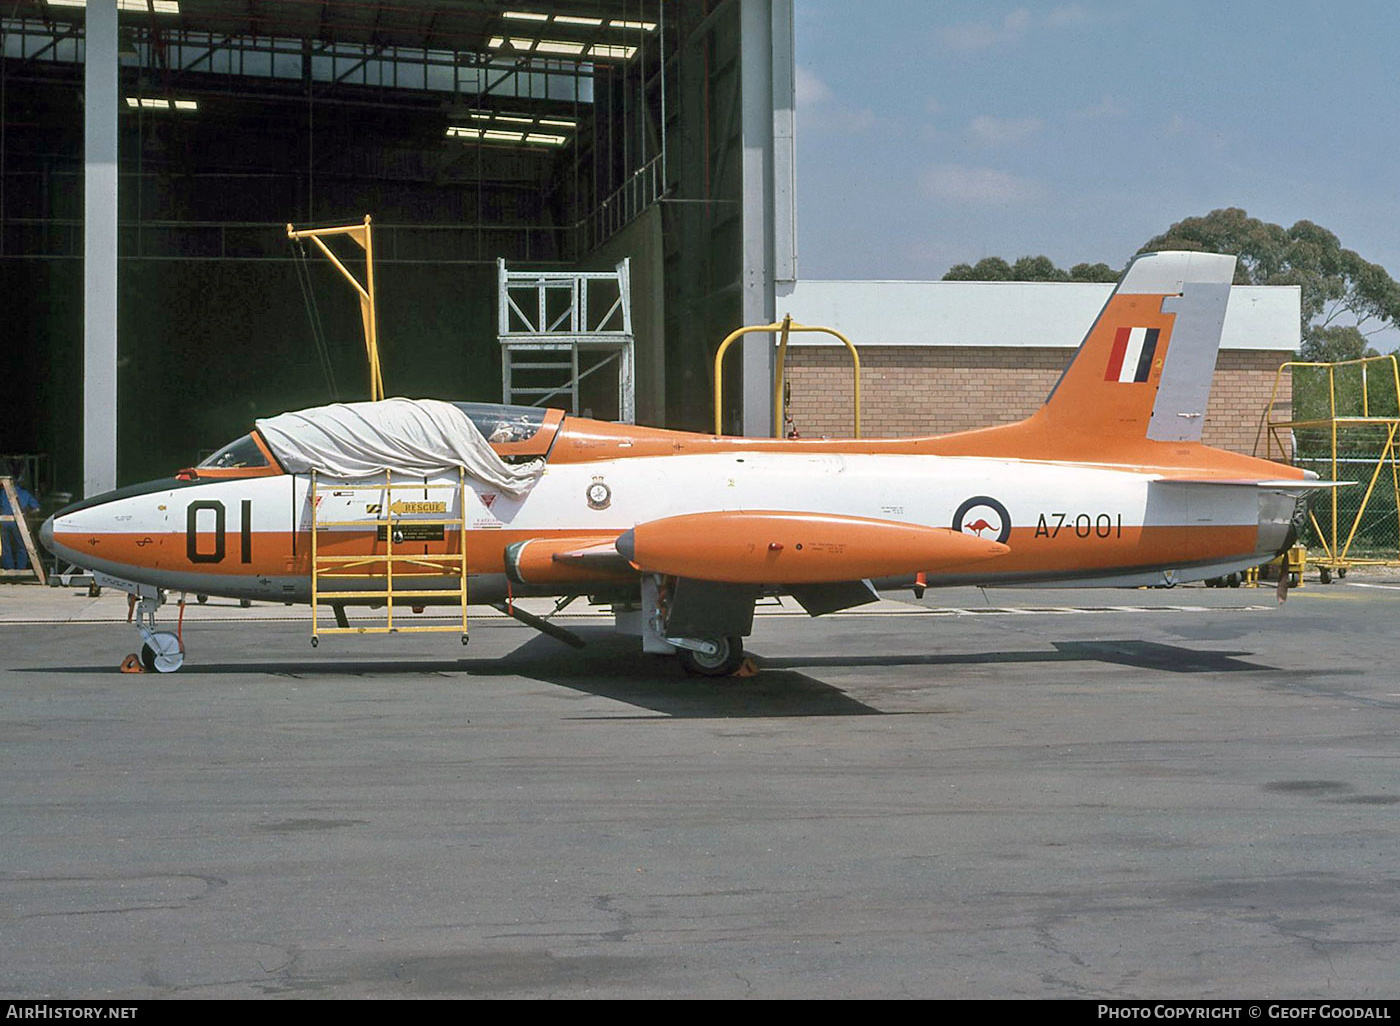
(251, 537)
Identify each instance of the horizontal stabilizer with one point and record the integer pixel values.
(1287, 484)
(773, 547)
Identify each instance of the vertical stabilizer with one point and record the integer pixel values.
(1144, 370)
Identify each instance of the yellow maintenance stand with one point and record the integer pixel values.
(1350, 429)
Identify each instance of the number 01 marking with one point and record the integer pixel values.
(216, 507)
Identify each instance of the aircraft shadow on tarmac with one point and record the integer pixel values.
(1142, 655)
(611, 667)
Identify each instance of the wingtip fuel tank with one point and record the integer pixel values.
(777, 548)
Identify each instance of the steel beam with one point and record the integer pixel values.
(766, 72)
(100, 248)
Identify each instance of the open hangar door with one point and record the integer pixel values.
(565, 134)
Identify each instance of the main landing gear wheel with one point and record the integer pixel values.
(725, 660)
(162, 652)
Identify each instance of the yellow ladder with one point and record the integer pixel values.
(382, 569)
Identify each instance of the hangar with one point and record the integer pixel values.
(153, 152)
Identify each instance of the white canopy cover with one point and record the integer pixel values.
(409, 436)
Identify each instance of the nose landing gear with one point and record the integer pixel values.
(161, 651)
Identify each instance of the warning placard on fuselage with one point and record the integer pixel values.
(401, 506)
(411, 532)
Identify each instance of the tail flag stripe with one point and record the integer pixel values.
(1149, 347)
(1130, 359)
(1115, 357)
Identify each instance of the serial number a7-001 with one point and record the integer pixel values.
(1081, 525)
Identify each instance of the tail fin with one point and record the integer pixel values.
(1145, 368)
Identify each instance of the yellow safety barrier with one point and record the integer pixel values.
(784, 327)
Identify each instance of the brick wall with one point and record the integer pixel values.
(934, 390)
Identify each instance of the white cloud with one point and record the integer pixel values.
(1000, 131)
(1108, 107)
(819, 109)
(1017, 22)
(809, 88)
(980, 35)
(984, 185)
(930, 258)
(1012, 28)
(1067, 14)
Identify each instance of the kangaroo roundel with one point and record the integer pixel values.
(985, 517)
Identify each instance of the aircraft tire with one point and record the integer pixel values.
(167, 657)
(721, 664)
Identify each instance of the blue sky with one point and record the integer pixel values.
(933, 133)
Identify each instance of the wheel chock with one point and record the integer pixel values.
(132, 664)
(748, 668)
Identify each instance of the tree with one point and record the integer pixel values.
(1345, 299)
(1093, 272)
(987, 269)
(1028, 268)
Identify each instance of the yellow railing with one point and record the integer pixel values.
(784, 327)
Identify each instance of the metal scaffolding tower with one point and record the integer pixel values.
(557, 328)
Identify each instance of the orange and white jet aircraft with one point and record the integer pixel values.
(1106, 484)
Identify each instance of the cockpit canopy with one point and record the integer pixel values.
(242, 453)
(514, 431)
(499, 423)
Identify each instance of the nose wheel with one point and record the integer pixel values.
(162, 652)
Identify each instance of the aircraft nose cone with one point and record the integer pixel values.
(46, 534)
